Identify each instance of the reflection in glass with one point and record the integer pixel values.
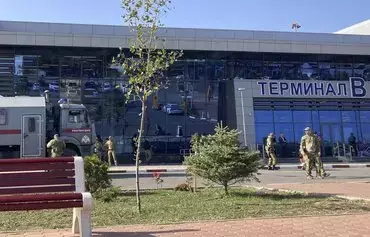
(349, 128)
(292, 71)
(286, 129)
(262, 131)
(272, 70)
(365, 130)
(309, 71)
(283, 116)
(365, 116)
(263, 116)
(330, 116)
(302, 116)
(348, 116)
(315, 116)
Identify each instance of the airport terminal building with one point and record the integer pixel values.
(256, 81)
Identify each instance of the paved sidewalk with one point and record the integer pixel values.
(182, 168)
(326, 226)
(360, 190)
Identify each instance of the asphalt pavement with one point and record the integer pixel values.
(289, 176)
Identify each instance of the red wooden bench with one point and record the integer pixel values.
(44, 183)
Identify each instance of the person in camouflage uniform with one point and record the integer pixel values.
(320, 171)
(310, 150)
(271, 151)
(99, 149)
(57, 146)
(111, 146)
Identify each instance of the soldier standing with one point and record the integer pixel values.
(271, 151)
(320, 171)
(99, 149)
(57, 146)
(111, 151)
(309, 150)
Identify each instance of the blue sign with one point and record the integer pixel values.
(354, 88)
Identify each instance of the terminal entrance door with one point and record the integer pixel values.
(331, 135)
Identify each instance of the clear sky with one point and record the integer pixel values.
(312, 15)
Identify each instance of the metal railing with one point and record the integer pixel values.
(342, 151)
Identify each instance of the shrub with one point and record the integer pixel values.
(108, 194)
(220, 158)
(96, 175)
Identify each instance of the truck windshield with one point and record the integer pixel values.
(78, 116)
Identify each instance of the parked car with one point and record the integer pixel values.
(107, 87)
(173, 109)
(54, 86)
(90, 92)
(36, 87)
(90, 85)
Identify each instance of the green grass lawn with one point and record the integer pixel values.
(160, 207)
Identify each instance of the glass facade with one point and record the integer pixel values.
(190, 104)
(334, 121)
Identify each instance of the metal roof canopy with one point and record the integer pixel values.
(22, 101)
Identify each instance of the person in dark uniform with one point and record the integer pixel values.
(282, 145)
(353, 143)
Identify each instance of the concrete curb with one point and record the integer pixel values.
(117, 170)
(148, 171)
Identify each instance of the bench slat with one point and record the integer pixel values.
(41, 205)
(40, 197)
(32, 189)
(35, 166)
(33, 182)
(36, 160)
(37, 174)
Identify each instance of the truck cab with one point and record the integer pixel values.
(74, 126)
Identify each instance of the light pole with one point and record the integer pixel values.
(242, 102)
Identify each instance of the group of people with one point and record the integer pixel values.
(106, 151)
(310, 153)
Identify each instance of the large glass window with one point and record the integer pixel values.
(309, 67)
(71, 67)
(283, 116)
(286, 129)
(327, 67)
(262, 131)
(302, 116)
(348, 116)
(365, 116)
(254, 70)
(330, 116)
(348, 129)
(365, 130)
(263, 116)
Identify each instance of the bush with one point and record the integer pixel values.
(109, 194)
(96, 175)
(220, 158)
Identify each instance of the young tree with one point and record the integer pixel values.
(148, 59)
(220, 158)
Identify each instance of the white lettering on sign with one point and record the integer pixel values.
(77, 130)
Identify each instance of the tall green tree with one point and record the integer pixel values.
(220, 158)
(147, 60)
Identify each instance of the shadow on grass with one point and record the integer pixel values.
(142, 234)
(275, 196)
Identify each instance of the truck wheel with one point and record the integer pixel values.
(70, 152)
